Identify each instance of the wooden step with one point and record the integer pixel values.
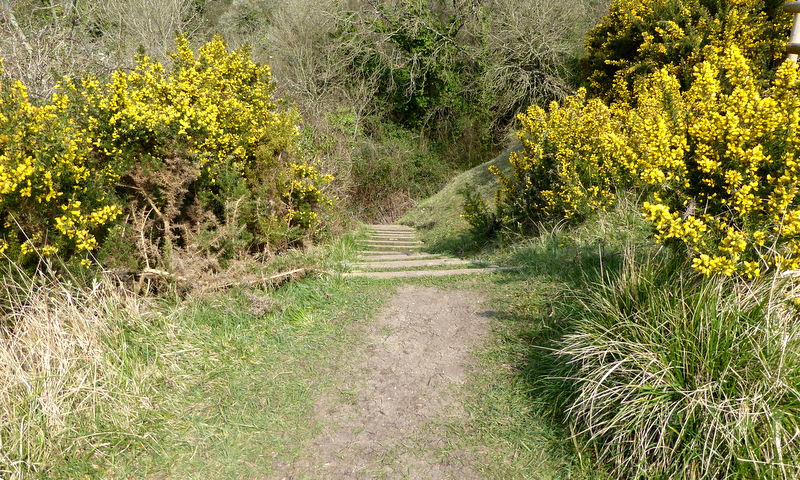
(399, 256)
(400, 243)
(392, 236)
(423, 273)
(373, 248)
(436, 262)
(390, 228)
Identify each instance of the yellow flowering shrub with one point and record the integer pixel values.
(196, 147)
(566, 169)
(727, 182)
(55, 195)
(216, 107)
(637, 38)
(302, 195)
(719, 163)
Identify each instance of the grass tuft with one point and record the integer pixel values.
(678, 377)
(64, 394)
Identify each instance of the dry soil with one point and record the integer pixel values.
(381, 422)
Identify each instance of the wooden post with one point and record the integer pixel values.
(793, 49)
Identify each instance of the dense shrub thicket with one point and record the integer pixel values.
(444, 77)
(713, 159)
(638, 38)
(153, 162)
(445, 67)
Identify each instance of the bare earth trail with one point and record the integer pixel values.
(406, 378)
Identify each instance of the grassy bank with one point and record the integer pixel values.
(438, 217)
(213, 387)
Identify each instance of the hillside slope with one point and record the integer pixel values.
(438, 217)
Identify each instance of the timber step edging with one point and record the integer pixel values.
(436, 262)
(395, 256)
(425, 273)
(373, 248)
(398, 243)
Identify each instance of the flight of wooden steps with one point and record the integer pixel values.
(393, 251)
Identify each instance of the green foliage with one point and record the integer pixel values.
(392, 166)
(450, 69)
(425, 75)
(482, 220)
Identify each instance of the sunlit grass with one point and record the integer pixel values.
(681, 377)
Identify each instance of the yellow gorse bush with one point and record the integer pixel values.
(174, 145)
(566, 170)
(638, 38)
(717, 162)
(729, 190)
(303, 195)
(54, 194)
(217, 105)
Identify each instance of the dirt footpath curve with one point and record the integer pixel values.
(417, 355)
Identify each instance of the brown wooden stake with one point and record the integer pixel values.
(793, 49)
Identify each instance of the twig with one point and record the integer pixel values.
(8, 12)
(274, 280)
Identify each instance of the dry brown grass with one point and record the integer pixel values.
(64, 388)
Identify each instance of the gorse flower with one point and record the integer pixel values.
(52, 186)
(638, 38)
(566, 170)
(732, 192)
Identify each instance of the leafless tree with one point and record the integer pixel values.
(147, 24)
(41, 42)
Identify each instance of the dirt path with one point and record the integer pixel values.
(378, 424)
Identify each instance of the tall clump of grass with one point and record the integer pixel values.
(678, 377)
(66, 388)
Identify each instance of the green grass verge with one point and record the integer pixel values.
(243, 399)
(235, 376)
